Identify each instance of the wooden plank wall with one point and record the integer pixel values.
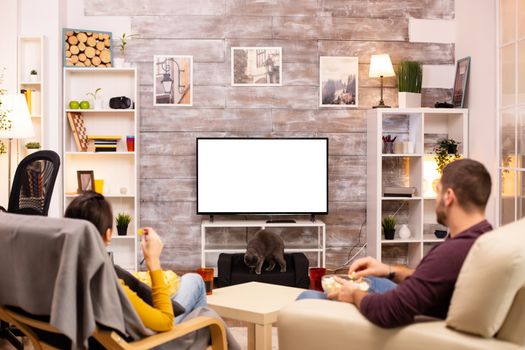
(305, 29)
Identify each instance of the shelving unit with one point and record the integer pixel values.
(319, 248)
(119, 169)
(422, 127)
(31, 57)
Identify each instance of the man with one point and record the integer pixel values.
(399, 293)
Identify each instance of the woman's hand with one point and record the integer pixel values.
(151, 248)
(368, 267)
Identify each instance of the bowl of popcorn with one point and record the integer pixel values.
(330, 286)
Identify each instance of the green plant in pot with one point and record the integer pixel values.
(409, 77)
(123, 221)
(32, 147)
(389, 226)
(445, 151)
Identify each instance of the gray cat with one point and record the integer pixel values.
(265, 245)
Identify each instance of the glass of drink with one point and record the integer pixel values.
(207, 275)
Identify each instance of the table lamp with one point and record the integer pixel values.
(17, 112)
(381, 66)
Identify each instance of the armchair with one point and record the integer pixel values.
(65, 287)
(487, 310)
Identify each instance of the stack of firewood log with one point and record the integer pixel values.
(87, 49)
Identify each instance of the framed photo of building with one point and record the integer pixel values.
(461, 82)
(338, 81)
(256, 66)
(172, 80)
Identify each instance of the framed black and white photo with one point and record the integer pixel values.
(256, 66)
(338, 81)
(172, 80)
(461, 82)
(86, 180)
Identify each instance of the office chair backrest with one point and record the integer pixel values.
(33, 183)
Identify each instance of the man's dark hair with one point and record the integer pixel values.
(470, 181)
(93, 207)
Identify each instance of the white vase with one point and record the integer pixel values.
(33, 78)
(404, 232)
(409, 100)
(98, 103)
(32, 150)
(118, 62)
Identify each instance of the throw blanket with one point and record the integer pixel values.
(59, 267)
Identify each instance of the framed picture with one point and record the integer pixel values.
(338, 81)
(86, 180)
(256, 66)
(172, 80)
(461, 82)
(87, 48)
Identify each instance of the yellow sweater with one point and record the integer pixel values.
(160, 316)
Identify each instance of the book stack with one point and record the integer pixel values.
(103, 143)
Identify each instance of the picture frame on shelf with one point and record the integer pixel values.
(256, 66)
(461, 82)
(338, 81)
(87, 48)
(86, 180)
(172, 80)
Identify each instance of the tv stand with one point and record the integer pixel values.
(214, 249)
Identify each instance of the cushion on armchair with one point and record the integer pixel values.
(232, 270)
(492, 275)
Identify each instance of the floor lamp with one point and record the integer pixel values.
(381, 66)
(17, 112)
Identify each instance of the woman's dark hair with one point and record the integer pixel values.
(93, 207)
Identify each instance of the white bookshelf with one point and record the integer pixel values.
(31, 57)
(422, 127)
(119, 169)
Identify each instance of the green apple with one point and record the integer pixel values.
(74, 104)
(84, 105)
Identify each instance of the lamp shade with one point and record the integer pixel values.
(17, 112)
(381, 66)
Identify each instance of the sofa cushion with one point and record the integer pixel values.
(492, 275)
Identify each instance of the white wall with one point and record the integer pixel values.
(476, 37)
(8, 48)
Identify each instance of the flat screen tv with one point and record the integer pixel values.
(262, 176)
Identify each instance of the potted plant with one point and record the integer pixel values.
(445, 151)
(409, 78)
(97, 103)
(120, 61)
(123, 221)
(389, 226)
(32, 147)
(5, 122)
(33, 75)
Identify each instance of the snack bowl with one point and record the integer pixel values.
(330, 286)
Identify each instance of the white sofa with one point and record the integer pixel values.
(487, 309)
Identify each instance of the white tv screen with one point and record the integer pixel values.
(262, 176)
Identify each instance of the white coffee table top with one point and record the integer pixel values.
(253, 302)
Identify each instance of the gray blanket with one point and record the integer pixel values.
(59, 267)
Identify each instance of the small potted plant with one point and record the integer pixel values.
(409, 78)
(32, 147)
(123, 221)
(446, 151)
(33, 75)
(389, 226)
(120, 61)
(97, 103)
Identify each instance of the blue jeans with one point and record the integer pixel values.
(378, 285)
(191, 294)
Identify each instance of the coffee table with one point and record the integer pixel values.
(256, 303)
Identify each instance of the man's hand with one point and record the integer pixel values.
(369, 267)
(346, 293)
